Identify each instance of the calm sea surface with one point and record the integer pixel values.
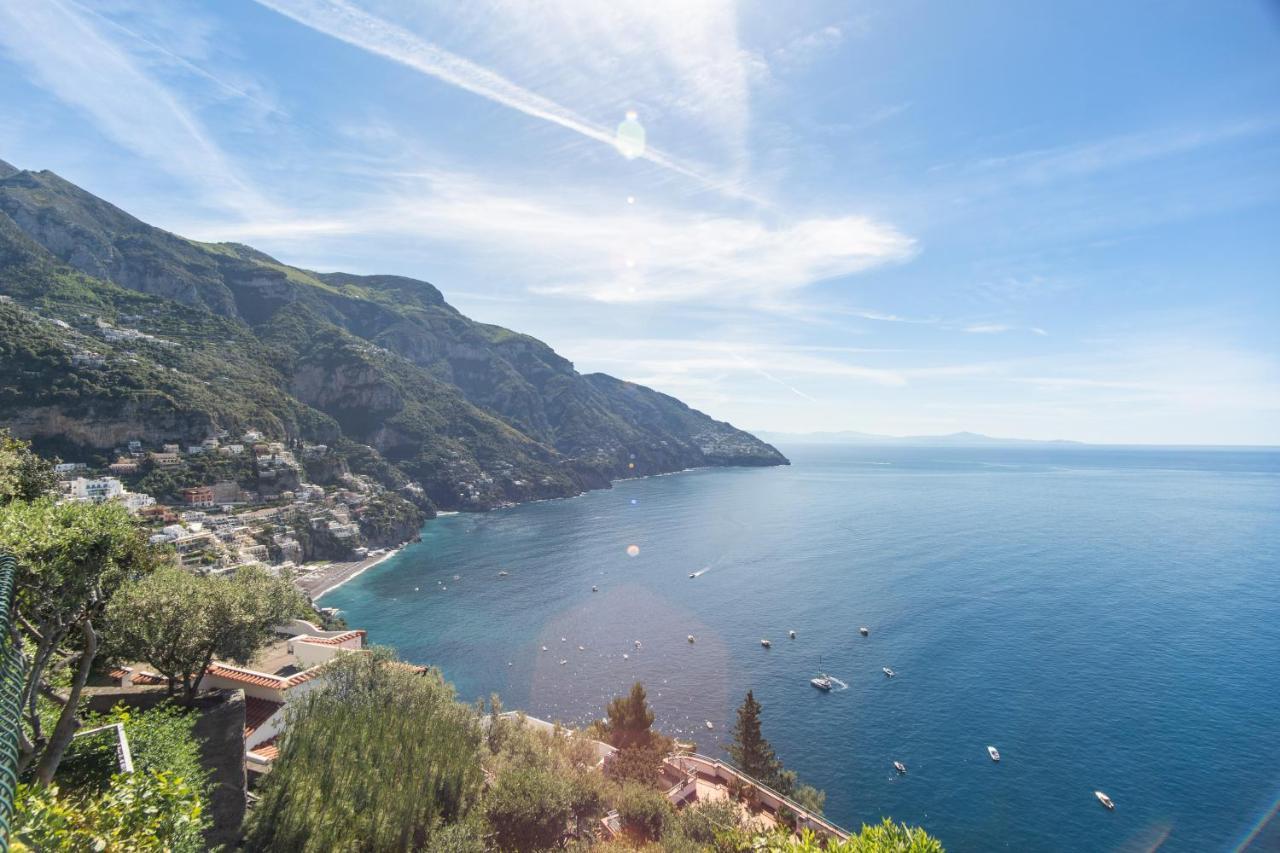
(1108, 618)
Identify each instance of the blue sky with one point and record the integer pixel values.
(1039, 219)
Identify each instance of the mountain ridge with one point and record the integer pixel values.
(218, 334)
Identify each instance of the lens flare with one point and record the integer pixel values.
(633, 550)
(629, 139)
(631, 199)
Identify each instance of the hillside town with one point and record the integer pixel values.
(256, 509)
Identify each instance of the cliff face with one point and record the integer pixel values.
(221, 336)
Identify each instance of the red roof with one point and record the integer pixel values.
(142, 678)
(246, 677)
(258, 711)
(267, 749)
(334, 640)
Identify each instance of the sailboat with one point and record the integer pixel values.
(823, 681)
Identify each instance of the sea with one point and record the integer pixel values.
(1108, 618)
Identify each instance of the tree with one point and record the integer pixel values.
(24, 476)
(380, 757)
(644, 812)
(179, 622)
(749, 750)
(884, 837)
(528, 809)
(72, 558)
(629, 719)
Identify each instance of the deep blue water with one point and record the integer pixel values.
(1108, 618)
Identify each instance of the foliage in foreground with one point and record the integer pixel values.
(72, 558)
(148, 810)
(380, 758)
(754, 756)
(884, 837)
(161, 806)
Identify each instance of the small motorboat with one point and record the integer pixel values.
(864, 630)
(693, 574)
(1105, 800)
(994, 753)
(563, 662)
(582, 648)
(595, 589)
(503, 574)
(900, 767)
(690, 638)
(791, 634)
(766, 643)
(457, 577)
(626, 656)
(822, 682)
(888, 673)
(544, 648)
(635, 643)
(709, 725)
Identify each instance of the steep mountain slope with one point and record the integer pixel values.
(480, 415)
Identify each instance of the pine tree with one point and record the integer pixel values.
(749, 750)
(629, 719)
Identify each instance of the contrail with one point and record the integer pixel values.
(340, 20)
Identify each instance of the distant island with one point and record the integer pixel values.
(954, 439)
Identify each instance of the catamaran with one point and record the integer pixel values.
(822, 682)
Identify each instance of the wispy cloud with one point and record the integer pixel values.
(65, 53)
(998, 328)
(595, 248)
(384, 38)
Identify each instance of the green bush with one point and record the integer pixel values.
(149, 810)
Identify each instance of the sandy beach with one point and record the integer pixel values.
(325, 579)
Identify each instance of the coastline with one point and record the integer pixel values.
(336, 574)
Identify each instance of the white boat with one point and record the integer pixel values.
(791, 634)
(994, 753)
(693, 574)
(822, 682)
(690, 638)
(864, 630)
(563, 662)
(636, 643)
(900, 767)
(595, 589)
(766, 643)
(503, 574)
(709, 725)
(582, 648)
(1105, 800)
(888, 673)
(626, 656)
(544, 648)
(457, 577)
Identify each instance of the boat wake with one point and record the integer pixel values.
(700, 572)
(838, 684)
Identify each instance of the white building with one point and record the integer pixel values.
(94, 491)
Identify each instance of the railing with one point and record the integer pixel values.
(719, 769)
(13, 670)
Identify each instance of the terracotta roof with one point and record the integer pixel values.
(258, 711)
(334, 640)
(305, 675)
(142, 678)
(247, 676)
(268, 749)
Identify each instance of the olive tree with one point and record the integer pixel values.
(179, 622)
(72, 558)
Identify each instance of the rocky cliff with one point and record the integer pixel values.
(123, 330)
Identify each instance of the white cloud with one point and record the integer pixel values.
(598, 249)
(66, 54)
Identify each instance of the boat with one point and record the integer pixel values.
(994, 753)
(582, 648)
(693, 574)
(864, 630)
(544, 648)
(626, 656)
(766, 643)
(791, 634)
(503, 574)
(900, 767)
(822, 682)
(595, 589)
(690, 638)
(636, 643)
(709, 725)
(1105, 800)
(888, 673)
(457, 577)
(563, 662)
